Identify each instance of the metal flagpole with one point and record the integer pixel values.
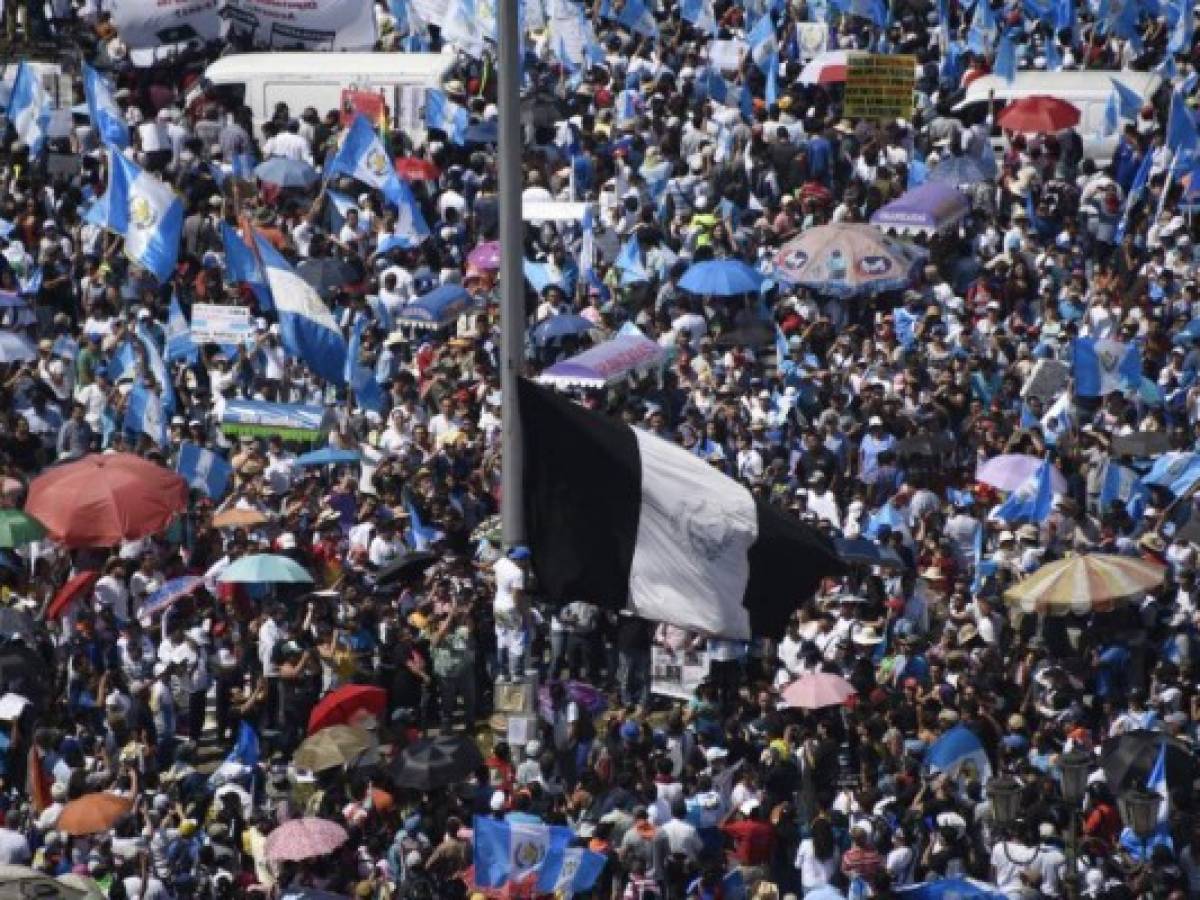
(512, 279)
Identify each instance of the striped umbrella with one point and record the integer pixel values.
(1082, 584)
(170, 594)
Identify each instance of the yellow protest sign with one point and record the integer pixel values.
(879, 86)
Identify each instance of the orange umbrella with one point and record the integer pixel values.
(238, 517)
(93, 813)
(104, 499)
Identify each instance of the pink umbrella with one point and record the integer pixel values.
(486, 257)
(818, 690)
(305, 838)
(1009, 471)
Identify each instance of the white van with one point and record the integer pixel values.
(262, 80)
(1088, 91)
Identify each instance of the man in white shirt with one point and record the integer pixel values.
(289, 144)
(511, 614)
(681, 835)
(385, 547)
(14, 847)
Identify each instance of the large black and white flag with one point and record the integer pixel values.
(624, 519)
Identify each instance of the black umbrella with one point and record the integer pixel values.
(327, 274)
(23, 672)
(16, 624)
(862, 552)
(1141, 444)
(1128, 760)
(409, 564)
(432, 763)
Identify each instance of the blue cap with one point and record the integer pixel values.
(519, 552)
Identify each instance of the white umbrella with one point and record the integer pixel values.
(16, 348)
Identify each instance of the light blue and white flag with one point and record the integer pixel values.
(637, 17)
(144, 211)
(629, 262)
(700, 14)
(107, 117)
(29, 109)
(362, 156)
(959, 752)
(361, 379)
(1129, 101)
(1032, 501)
(242, 759)
(1176, 471)
(411, 227)
(445, 115)
(510, 851)
(242, 266)
(887, 516)
(983, 567)
(1103, 366)
(1116, 484)
(570, 871)
(158, 368)
(1006, 60)
(204, 470)
(1057, 419)
(587, 243)
(763, 43)
(1157, 782)
(179, 335)
(307, 327)
(144, 414)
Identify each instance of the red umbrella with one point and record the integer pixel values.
(104, 499)
(817, 690)
(339, 705)
(78, 586)
(1038, 114)
(413, 168)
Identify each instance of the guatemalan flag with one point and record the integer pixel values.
(144, 211)
(639, 523)
(29, 109)
(362, 156)
(107, 117)
(1103, 366)
(144, 414)
(179, 335)
(959, 752)
(513, 851)
(445, 115)
(1032, 501)
(204, 470)
(306, 325)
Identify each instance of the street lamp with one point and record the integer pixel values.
(1139, 810)
(1073, 769)
(1005, 796)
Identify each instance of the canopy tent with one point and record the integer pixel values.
(440, 307)
(606, 363)
(290, 421)
(928, 208)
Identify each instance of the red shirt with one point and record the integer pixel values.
(862, 861)
(753, 841)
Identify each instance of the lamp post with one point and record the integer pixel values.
(1073, 771)
(1139, 810)
(1004, 793)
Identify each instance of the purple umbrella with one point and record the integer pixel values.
(486, 256)
(930, 207)
(1011, 470)
(605, 363)
(577, 692)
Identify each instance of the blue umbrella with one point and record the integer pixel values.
(287, 173)
(721, 278)
(947, 888)
(958, 170)
(558, 327)
(169, 594)
(327, 456)
(265, 568)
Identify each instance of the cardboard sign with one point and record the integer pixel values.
(214, 324)
(879, 86)
(677, 674)
(1047, 381)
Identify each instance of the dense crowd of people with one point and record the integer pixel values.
(867, 413)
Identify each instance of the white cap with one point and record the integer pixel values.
(498, 801)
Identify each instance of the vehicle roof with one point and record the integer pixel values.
(1089, 84)
(317, 65)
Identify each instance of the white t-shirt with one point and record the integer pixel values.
(510, 578)
(814, 872)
